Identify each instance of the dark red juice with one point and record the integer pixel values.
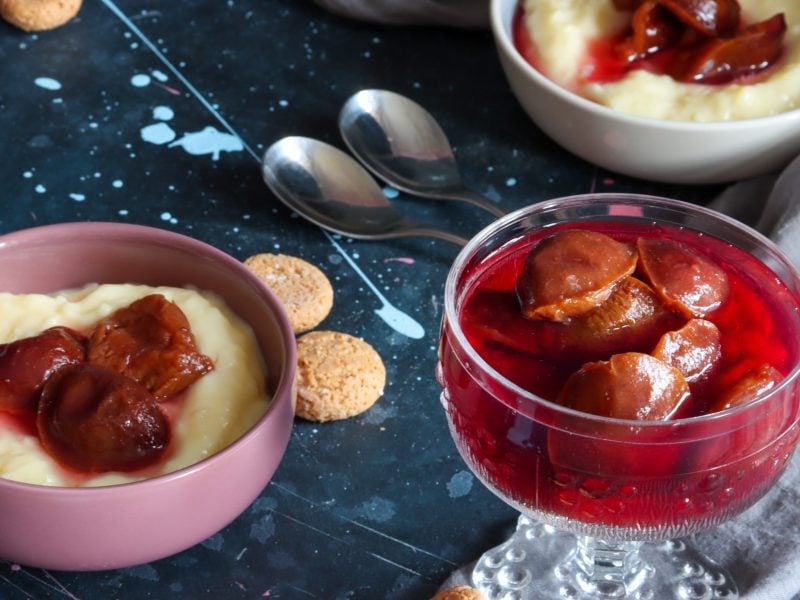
(624, 478)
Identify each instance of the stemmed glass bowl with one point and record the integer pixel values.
(606, 502)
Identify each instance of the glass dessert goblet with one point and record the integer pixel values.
(607, 500)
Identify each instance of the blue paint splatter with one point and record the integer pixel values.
(145, 572)
(264, 529)
(215, 542)
(460, 484)
(377, 509)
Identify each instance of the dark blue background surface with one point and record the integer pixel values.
(378, 506)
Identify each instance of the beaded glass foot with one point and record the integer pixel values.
(541, 563)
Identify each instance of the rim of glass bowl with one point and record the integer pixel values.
(592, 203)
(501, 27)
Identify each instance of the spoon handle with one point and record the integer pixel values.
(476, 199)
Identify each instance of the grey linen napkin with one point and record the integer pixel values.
(760, 547)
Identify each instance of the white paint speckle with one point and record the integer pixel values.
(140, 80)
(47, 83)
(160, 75)
(27, 174)
(117, 183)
(283, 103)
(123, 212)
(511, 181)
(40, 189)
(158, 133)
(209, 141)
(163, 113)
(78, 197)
(390, 192)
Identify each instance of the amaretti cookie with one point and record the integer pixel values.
(305, 291)
(338, 376)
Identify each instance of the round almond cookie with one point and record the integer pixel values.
(462, 592)
(338, 376)
(38, 15)
(304, 290)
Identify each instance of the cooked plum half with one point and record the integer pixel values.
(706, 39)
(630, 385)
(26, 364)
(632, 319)
(151, 342)
(93, 419)
(753, 383)
(572, 272)
(713, 18)
(695, 349)
(653, 28)
(724, 59)
(687, 281)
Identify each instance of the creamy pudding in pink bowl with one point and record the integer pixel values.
(224, 432)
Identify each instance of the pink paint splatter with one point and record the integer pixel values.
(401, 259)
(626, 211)
(169, 89)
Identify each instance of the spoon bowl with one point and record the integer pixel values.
(327, 187)
(401, 143)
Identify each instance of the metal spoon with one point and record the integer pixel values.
(401, 143)
(328, 187)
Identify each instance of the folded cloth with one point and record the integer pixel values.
(770, 204)
(454, 13)
(760, 546)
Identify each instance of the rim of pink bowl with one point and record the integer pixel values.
(147, 235)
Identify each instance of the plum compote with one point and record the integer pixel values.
(696, 327)
(692, 41)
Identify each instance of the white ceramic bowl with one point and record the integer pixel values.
(122, 525)
(653, 149)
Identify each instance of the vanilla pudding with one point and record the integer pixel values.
(562, 31)
(217, 409)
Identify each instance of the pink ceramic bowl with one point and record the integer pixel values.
(122, 525)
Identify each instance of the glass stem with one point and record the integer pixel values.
(608, 569)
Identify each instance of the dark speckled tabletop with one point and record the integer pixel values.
(157, 113)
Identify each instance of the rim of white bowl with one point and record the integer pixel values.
(500, 23)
